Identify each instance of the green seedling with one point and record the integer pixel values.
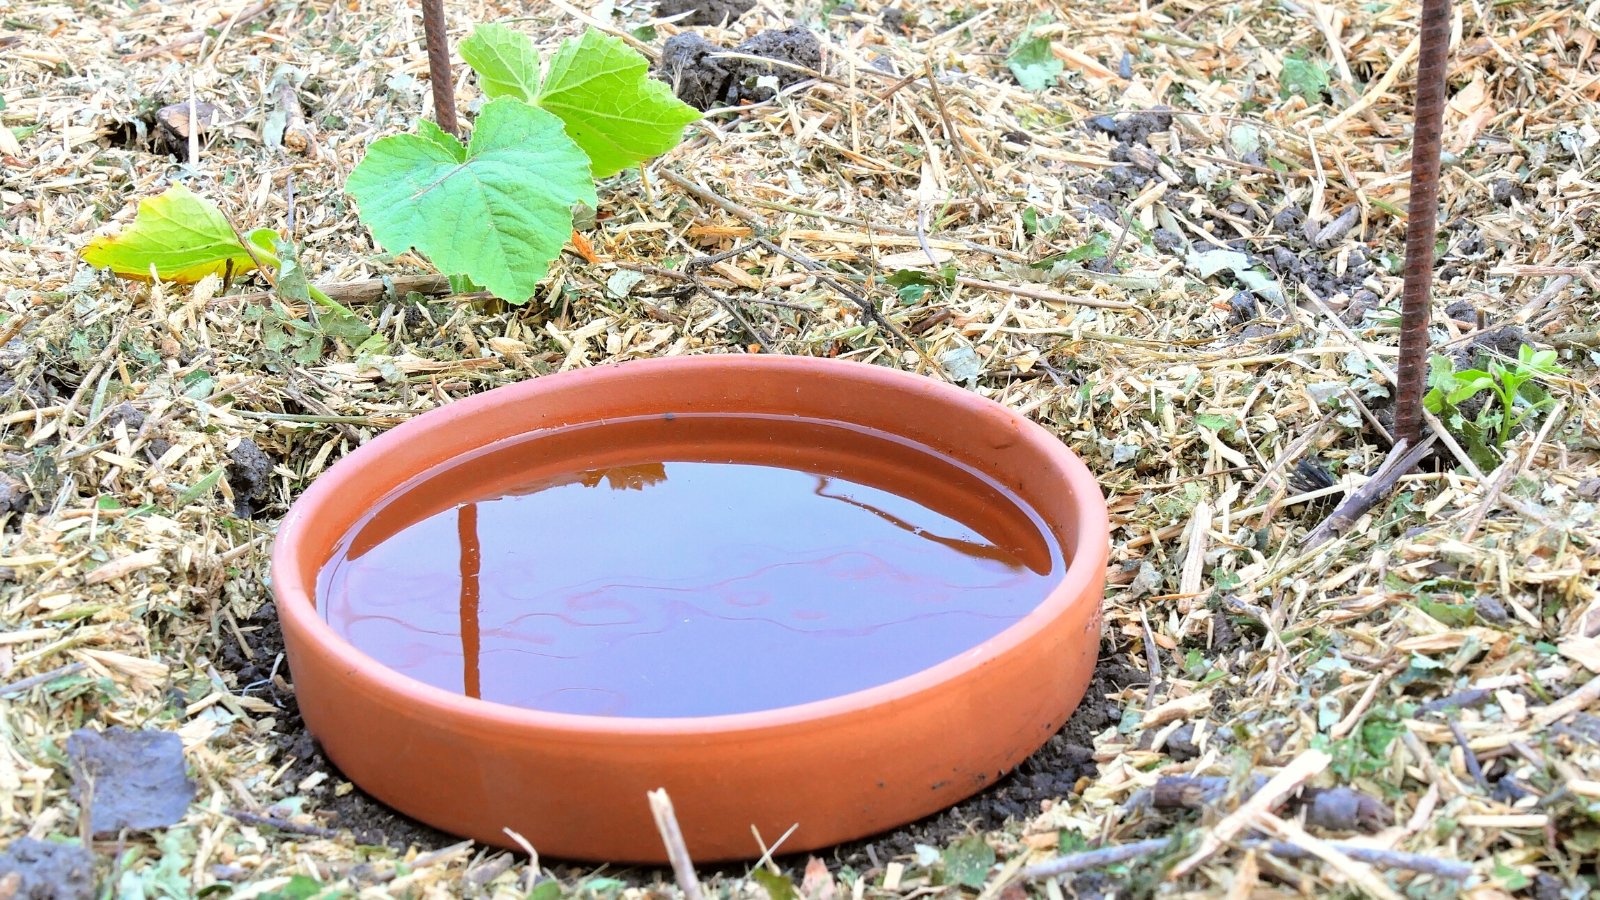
(913, 285)
(1514, 397)
(492, 212)
(499, 208)
(1033, 63)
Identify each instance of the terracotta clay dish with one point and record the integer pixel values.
(904, 655)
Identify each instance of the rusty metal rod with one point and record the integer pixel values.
(1422, 218)
(444, 89)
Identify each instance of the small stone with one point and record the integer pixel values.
(1181, 746)
(1287, 218)
(1491, 610)
(1102, 124)
(1166, 240)
(1242, 307)
(1505, 191)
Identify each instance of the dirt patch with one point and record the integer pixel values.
(704, 12)
(689, 64)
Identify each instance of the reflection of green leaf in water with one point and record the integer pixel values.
(626, 478)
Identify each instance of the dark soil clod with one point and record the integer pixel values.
(1505, 191)
(1136, 128)
(704, 12)
(129, 779)
(699, 79)
(249, 471)
(124, 414)
(14, 497)
(32, 869)
(795, 44)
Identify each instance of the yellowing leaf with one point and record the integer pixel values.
(183, 236)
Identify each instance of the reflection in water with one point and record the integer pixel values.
(626, 478)
(980, 548)
(471, 560)
(725, 587)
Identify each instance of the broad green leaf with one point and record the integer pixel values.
(1304, 77)
(967, 861)
(182, 235)
(445, 141)
(506, 61)
(1455, 615)
(778, 887)
(616, 112)
(1033, 63)
(1441, 371)
(1468, 385)
(497, 211)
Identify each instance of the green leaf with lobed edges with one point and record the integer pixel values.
(497, 210)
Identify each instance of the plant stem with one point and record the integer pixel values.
(266, 257)
(444, 90)
(327, 302)
(1422, 218)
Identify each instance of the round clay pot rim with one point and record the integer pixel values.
(294, 600)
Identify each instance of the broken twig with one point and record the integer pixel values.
(1402, 459)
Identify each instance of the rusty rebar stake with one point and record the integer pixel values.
(444, 88)
(1422, 218)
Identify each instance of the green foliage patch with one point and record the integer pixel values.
(499, 208)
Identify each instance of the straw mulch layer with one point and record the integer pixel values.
(1200, 300)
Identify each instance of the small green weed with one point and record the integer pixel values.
(1514, 398)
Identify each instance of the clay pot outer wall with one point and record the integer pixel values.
(842, 768)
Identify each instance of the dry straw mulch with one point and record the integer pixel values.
(1438, 658)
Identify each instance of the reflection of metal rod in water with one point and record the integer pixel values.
(970, 548)
(471, 561)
